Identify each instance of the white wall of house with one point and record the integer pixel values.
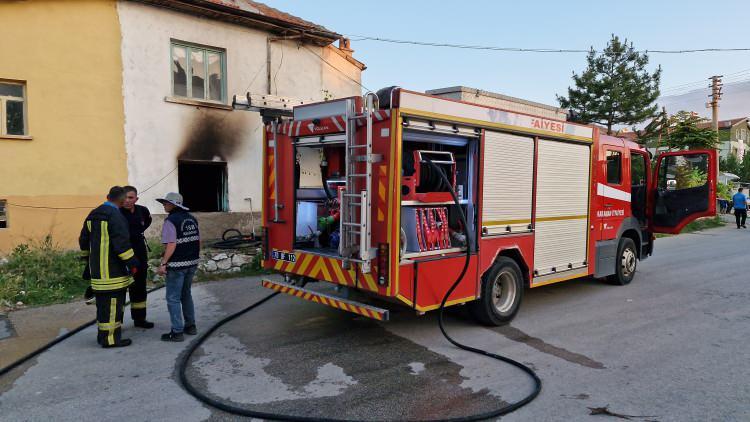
(158, 132)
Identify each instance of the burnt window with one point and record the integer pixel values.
(203, 185)
(3, 214)
(614, 167)
(198, 72)
(12, 108)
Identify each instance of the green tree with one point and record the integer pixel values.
(616, 88)
(730, 165)
(724, 191)
(678, 132)
(744, 172)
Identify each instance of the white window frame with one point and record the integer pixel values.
(189, 48)
(3, 100)
(4, 213)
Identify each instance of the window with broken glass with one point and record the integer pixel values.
(12, 108)
(198, 73)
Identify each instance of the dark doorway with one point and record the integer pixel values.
(203, 185)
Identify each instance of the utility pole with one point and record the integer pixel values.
(714, 104)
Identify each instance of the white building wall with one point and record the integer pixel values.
(158, 132)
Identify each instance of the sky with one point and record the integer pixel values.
(538, 77)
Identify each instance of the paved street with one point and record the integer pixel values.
(672, 346)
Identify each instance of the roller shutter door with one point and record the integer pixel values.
(508, 183)
(562, 202)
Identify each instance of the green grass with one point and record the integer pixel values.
(41, 273)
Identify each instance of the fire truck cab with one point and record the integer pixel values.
(359, 193)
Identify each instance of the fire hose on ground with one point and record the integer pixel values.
(505, 409)
(184, 360)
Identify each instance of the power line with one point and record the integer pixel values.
(736, 76)
(534, 50)
(49, 208)
(158, 181)
(88, 207)
(337, 69)
(174, 169)
(468, 46)
(707, 86)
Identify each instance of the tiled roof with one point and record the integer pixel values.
(267, 11)
(252, 14)
(723, 124)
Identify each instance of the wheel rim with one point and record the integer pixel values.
(504, 291)
(628, 262)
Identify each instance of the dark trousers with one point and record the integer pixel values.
(137, 293)
(109, 316)
(740, 216)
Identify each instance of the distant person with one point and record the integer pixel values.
(739, 202)
(139, 219)
(181, 237)
(111, 264)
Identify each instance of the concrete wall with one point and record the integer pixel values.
(158, 132)
(68, 54)
(213, 224)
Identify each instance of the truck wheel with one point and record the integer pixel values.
(501, 294)
(626, 263)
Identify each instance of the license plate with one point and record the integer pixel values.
(283, 256)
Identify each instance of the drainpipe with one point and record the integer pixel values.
(269, 40)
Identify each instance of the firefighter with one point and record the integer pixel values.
(112, 262)
(181, 255)
(139, 219)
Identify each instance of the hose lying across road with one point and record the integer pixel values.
(200, 395)
(59, 339)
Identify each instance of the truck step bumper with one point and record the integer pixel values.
(368, 311)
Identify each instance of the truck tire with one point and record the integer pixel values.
(501, 294)
(625, 264)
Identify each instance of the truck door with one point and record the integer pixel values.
(640, 167)
(684, 189)
(614, 194)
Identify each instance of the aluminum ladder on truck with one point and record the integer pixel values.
(356, 203)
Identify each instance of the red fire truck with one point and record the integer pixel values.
(354, 196)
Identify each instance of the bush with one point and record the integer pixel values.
(155, 248)
(41, 273)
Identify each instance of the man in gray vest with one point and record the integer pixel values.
(181, 256)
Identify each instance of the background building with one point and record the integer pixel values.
(733, 137)
(139, 92)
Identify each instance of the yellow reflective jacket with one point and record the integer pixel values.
(106, 240)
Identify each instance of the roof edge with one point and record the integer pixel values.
(230, 14)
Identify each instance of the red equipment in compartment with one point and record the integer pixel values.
(432, 229)
(425, 185)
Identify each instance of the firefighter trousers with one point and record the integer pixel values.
(109, 312)
(137, 294)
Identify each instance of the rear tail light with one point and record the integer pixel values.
(383, 263)
(264, 243)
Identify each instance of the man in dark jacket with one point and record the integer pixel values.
(111, 264)
(181, 255)
(139, 219)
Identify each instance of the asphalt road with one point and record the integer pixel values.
(672, 346)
